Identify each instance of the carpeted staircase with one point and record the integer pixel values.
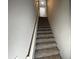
(46, 47)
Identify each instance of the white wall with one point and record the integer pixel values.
(42, 8)
(43, 12)
(60, 23)
(21, 23)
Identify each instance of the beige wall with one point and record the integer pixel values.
(59, 19)
(21, 23)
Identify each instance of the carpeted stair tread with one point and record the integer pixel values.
(44, 40)
(45, 45)
(50, 57)
(46, 52)
(45, 35)
(44, 32)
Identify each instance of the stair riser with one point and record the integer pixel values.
(45, 35)
(51, 57)
(45, 47)
(43, 27)
(44, 30)
(56, 53)
(43, 42)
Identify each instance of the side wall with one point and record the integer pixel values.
(21, 23)
(60, 24)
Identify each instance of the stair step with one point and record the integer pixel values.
(44, 35)
(44, 32)
(43, 26)
(44, 40)
(48, 29)
(45, 45)
(38, 34)
(50, 57)
(43, 23)
(46, 52)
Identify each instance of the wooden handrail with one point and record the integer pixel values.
(32, 37)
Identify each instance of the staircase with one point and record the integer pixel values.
(46, 47)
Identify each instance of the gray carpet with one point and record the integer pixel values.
(46, 46)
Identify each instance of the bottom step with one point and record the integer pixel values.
(46, 52)
(50, 57)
